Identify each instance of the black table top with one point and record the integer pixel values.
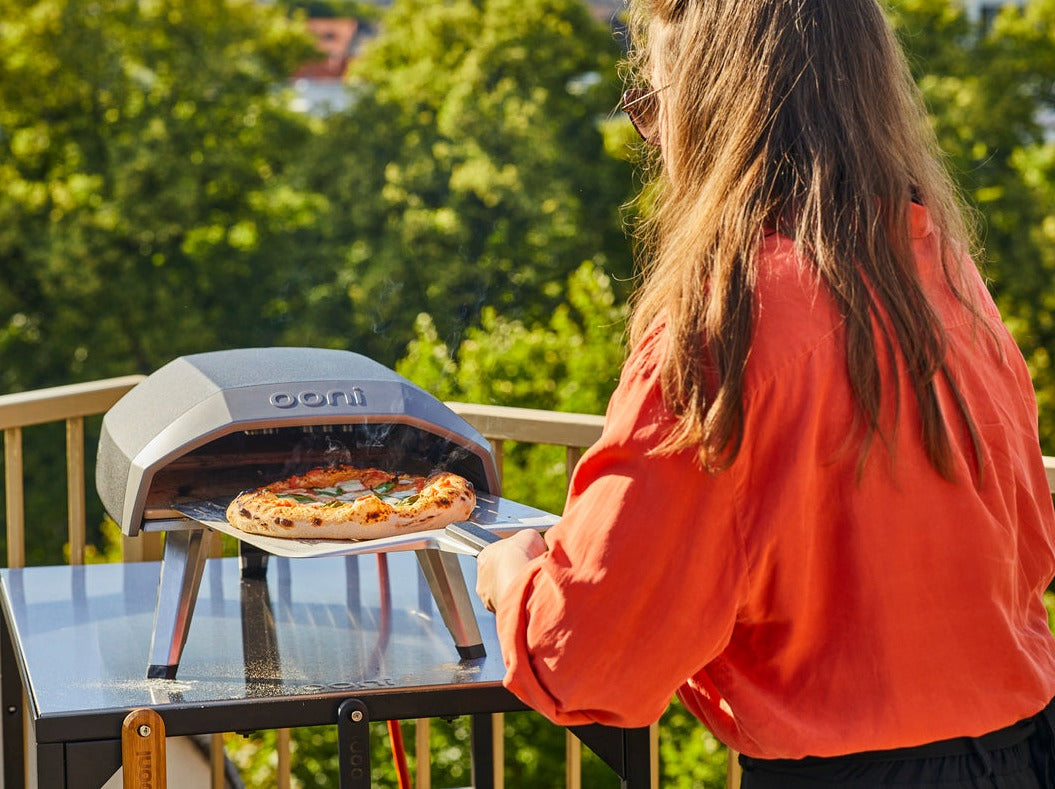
(260, 654)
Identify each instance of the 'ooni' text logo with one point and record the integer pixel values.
(353, 397)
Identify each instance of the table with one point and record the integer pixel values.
(315, 639)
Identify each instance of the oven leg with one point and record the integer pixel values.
(182, 565)
(444, 574)
(259, 639)
(252, 560)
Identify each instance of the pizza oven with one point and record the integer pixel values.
(211, 425)
(187, 439)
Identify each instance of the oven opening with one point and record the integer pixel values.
(249, 459)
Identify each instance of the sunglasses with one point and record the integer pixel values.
(642, 107)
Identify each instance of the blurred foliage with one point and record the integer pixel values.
(143, 214)
(569, 363)
(470, 171)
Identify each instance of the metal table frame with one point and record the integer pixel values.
(79, 744)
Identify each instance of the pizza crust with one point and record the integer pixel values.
(295, 508)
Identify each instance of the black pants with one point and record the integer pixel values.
(1021, 756)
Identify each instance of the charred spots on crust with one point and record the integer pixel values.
(245, 513)
(316, 521)
(286, 522)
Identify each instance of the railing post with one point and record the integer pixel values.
(422, 756)
(145, 547)
(76, 518)
(572, 744)
(498, 748)
(732, 771)
(499, 451)
(572, 761)
(16, 532)
(284, 775)
(217, 766)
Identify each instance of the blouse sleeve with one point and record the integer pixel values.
(640, 586)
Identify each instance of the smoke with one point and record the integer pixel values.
(390, 446)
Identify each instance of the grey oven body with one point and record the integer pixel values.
(205, 427)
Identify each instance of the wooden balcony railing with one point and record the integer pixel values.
(72, 404)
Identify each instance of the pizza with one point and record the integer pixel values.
(348, 503)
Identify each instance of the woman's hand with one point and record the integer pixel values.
(500, 562)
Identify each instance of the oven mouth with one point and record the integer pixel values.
(250, 459)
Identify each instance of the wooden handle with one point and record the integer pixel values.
(143, 750)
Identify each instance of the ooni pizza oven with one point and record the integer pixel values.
(198, 431)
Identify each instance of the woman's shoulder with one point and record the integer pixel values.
(794, 314)
(647, 352)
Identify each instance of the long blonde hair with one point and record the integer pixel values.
(798, 115)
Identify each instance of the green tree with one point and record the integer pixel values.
(470, 171)
(142, 212)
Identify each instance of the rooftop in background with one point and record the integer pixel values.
(319, 84)
(334, 38)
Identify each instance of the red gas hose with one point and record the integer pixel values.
(395, 733)
(399, 756)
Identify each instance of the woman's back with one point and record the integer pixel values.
(885, 605)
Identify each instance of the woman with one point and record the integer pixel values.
(818, 511)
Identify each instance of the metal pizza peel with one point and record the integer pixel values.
(493, 518)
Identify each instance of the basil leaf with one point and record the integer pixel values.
(334, 491)
(384, 487)
(297, 497)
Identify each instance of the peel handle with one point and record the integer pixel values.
(472, 536)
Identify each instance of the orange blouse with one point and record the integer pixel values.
(794, 608)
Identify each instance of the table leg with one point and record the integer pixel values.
(91, 764)
(637, 748)
(51, 766)
(11, 702)
(627, 751)
(78, 765)
(483, 754)
(353, 742)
